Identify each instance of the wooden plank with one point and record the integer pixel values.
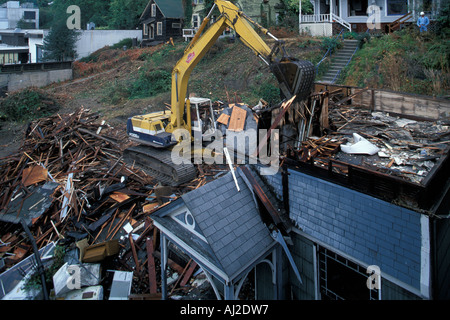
(262, 196)
(151, 266)
(284, 107)
(237, 119)
(32, 175)
(133, 249)
(188, 274)
(224, 119)
(119, 196)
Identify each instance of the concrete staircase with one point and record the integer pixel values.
(340, 60)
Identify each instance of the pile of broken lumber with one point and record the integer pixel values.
(68, 183)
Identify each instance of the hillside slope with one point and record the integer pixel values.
(404, 61)
(124, 83)
(118, 84)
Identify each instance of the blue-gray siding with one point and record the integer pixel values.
(368, 229)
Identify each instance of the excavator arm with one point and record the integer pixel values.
(154, 131)
(295, 77)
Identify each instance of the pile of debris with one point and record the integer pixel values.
(68, 185)
(349, 134)
(393, 145)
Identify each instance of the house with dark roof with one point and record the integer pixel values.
(161, 20)
(220, 227)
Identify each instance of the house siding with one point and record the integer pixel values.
(167, 30)
(365, 228)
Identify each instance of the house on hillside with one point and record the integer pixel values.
(161, 20)
(331, 16)
(12, 12)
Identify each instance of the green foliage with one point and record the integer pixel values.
(269, 92)
(187, 13)
(35, 282)
(112, 14)
(59, 45)
(26, 105)
(125, 14)
(292, 6)
(402, 61)
(22, 24)
(443, 21)
(331, 44)
(151, 83)
(116, 93)
(128, 42)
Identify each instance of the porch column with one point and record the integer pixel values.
(229, 291)
(331, 9)
(299, 14)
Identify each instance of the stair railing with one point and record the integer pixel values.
(329, 50)
(350, 59)
(393, 25)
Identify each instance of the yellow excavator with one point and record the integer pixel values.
(154, 131)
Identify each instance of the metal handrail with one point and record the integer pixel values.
(339, 72)
(328, 51)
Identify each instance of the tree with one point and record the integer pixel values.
(125, 14)
(292, 6)
(59, 44)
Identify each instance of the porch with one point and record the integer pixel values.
(361, 15)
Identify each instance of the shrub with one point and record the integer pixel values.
(128, 42)
(269, 92)
(151, 83)
(26, 105)
(330, 44)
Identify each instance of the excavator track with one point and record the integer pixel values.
(159, 164)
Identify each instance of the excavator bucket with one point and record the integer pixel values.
(295, 77)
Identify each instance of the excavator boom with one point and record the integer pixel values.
(154, 131)
(295, 77)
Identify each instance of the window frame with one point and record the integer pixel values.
(159, 29)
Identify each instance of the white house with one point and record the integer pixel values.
(12, 12)
(361, 15)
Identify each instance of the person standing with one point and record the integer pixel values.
(423, 22)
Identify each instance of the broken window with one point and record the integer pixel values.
(342, 279)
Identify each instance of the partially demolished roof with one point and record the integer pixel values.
(218, 225)
(357, 141)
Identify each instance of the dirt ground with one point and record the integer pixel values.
(95, 81)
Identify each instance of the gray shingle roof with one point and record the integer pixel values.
(229, 221)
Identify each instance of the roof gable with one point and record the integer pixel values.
(222, 222)
(169, 9)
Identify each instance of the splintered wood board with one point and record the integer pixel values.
(33, 175)
(224, 118)
(237, 119)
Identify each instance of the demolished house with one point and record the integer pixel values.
(357, 210)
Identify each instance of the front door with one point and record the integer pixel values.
(152, 31)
